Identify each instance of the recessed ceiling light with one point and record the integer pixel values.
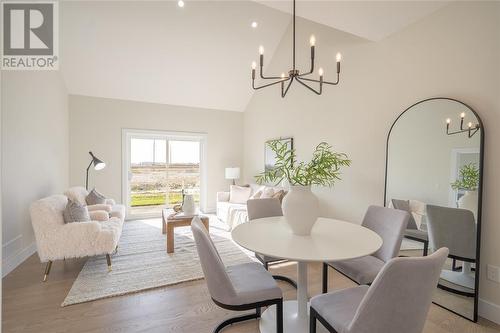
(254, 24)
(180, 3)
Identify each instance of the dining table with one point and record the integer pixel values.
(330, 240)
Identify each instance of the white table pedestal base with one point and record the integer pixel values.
(292, 323)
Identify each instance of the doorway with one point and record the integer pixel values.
(158, 168)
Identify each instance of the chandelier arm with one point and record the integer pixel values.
(326, 82)
(283, 93)
(267, 77)
(267, 85)
(312, 89)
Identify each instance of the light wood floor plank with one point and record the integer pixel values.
(32, 306)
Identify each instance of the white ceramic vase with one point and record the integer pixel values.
(469, 201)
(188, 206)
(300, 208)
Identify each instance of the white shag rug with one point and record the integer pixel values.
(142, 262)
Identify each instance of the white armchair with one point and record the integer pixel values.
(57, 240)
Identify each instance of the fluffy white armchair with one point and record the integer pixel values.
(57, 240)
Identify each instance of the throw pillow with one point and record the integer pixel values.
(75, 212)
(95, 198)
(239, 194)
(267, 193)
(405, 205)
(256, 195)
(279, 195)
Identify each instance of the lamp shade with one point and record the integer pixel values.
(232, 173)
(98, 164)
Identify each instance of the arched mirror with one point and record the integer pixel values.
(434, 168)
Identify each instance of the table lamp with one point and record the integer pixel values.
(233, 174)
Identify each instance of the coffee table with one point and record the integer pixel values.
(172, 220)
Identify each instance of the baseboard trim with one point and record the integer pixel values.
(15, 260)
(490, 311)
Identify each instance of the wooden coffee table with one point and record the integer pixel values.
(171, 220)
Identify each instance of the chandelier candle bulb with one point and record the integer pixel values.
(312, 40)
(261, 50)
(320, 72)
(470, 125)
(462, 115)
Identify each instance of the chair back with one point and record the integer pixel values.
(400, 297)
(260, 208)
(453, 228)
(219, 284)
(390, 225)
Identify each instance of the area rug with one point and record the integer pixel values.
(142, 263)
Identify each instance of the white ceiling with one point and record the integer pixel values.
(199, 55)
(373, 20)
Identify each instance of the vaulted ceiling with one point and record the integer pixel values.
(199, 55)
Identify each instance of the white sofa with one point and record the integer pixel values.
(234, 214)
(58, 240)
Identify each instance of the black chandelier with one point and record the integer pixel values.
(294, 73)
(471, 128)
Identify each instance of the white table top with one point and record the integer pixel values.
(330, 240)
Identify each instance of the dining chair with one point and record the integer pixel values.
(397, 301)
(267, 207)
(389, 224)
(412, 231)
(455, 229)
(238, 288)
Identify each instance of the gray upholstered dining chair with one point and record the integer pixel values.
(267, 207)
(455, 229)
(389, 224)
(397, 301)
(240, 287)
(412, 231)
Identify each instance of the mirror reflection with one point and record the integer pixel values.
(433, 172)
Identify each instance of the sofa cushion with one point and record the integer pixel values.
(78, 194)
(95, 198)
(405, 205)
(256, 195)
(279, 195)
(75, 212)
(239, 194)
(268, 192)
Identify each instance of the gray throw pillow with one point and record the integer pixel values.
(405, 205)
(75, 212)
(95, 198)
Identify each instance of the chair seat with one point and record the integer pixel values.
(267, 259)
(362, 270)
(252, 284)
(418, 234)
(338, 308)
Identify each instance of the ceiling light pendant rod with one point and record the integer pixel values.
(293, 41)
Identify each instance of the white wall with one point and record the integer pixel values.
(96, 125)
(452, 53)
(34, 154)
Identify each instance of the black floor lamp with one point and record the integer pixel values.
(98, 165)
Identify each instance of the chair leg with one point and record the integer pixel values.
(312, 321)
(325, 278)
(279, 317)
(426, 248)
(47, 270)
(258, 312)
(234, 320)
(108, 259)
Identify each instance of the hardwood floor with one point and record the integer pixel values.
(32, 306)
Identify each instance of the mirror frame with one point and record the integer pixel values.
(479, 202)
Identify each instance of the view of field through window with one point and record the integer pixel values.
(161, 170)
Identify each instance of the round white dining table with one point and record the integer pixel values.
(330, 240)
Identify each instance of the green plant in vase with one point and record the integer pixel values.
(300, 205)
(468, 178)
